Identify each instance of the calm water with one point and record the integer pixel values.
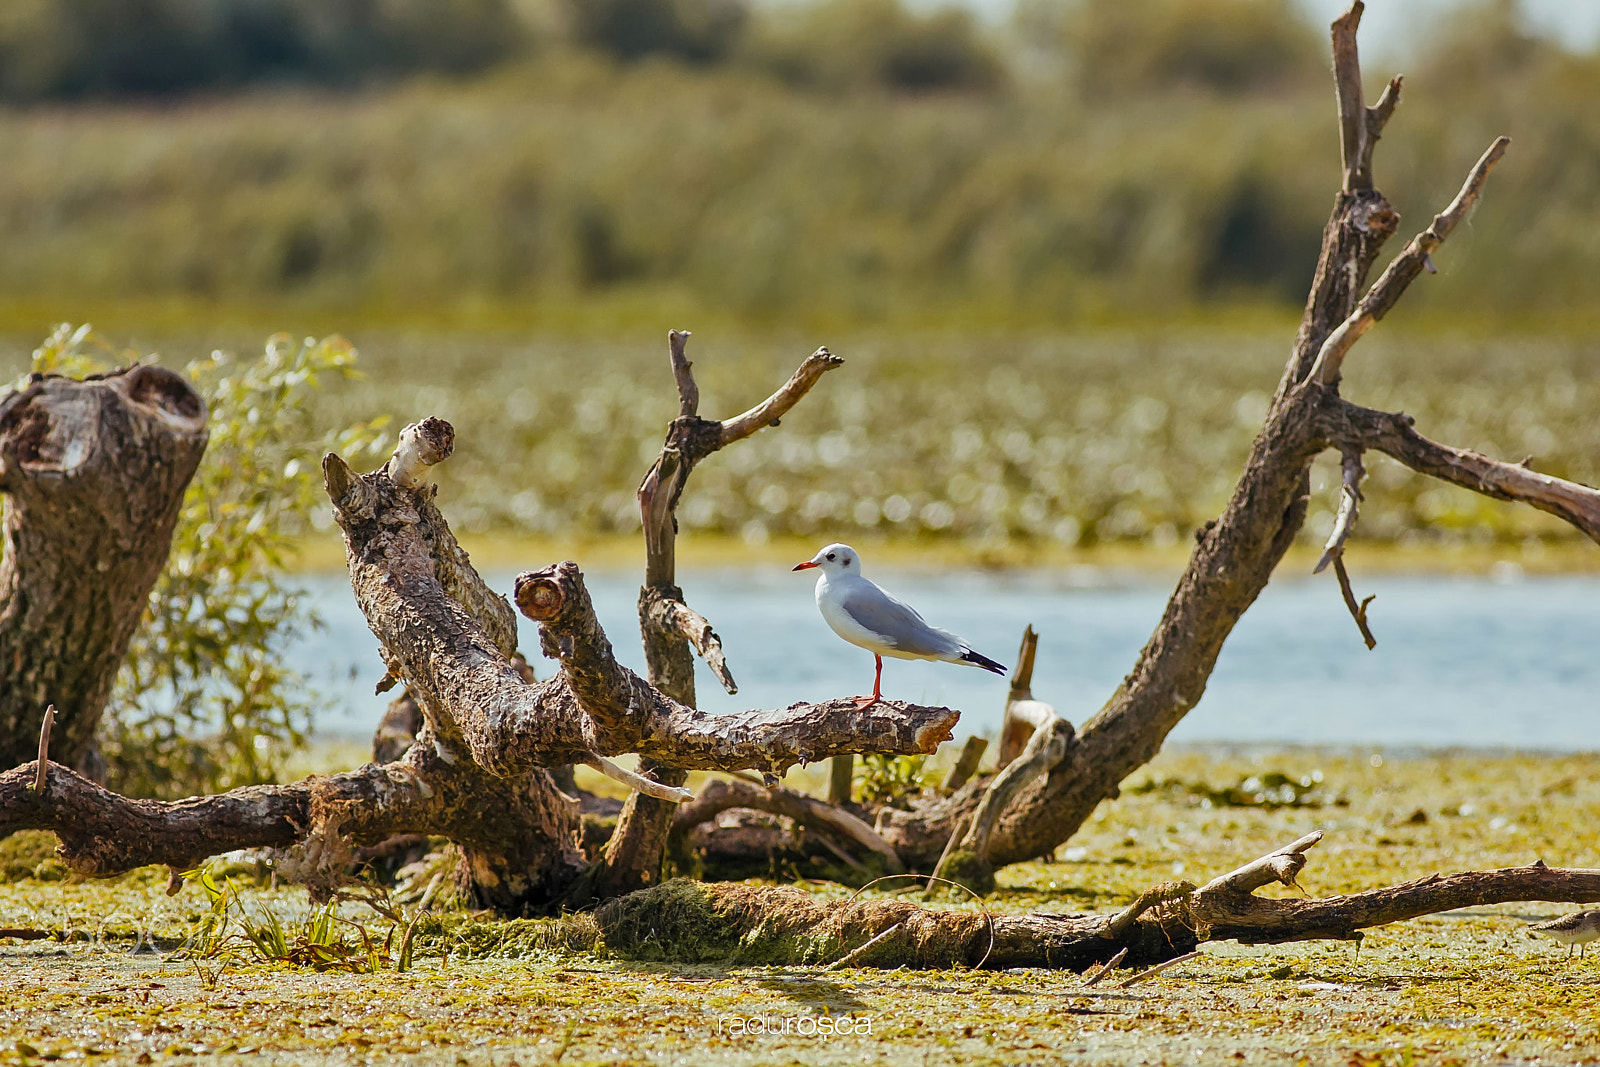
(1459, 662)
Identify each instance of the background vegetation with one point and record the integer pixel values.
(837, 161)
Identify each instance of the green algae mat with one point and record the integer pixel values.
(101, 973)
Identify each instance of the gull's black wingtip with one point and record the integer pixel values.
(977, 659)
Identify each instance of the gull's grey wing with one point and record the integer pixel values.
(898, 623)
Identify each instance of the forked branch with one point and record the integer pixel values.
(1405, 267)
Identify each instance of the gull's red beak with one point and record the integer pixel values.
(807, 565)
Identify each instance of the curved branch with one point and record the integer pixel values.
(774, 407)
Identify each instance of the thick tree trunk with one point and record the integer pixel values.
(93, 473)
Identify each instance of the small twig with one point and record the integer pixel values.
(42, 777)
(1157, 969)
(638, 782)
(846, 960)
(1106, 968)
(683, 374)
(849, 860)
(1358, 612)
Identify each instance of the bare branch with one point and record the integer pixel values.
(966, 764)
(638, 782)
(1349, 503)
(1281, 865)
(1045, 749)
(1225, 908)
(1388, 289)
(683, 374)
(1160, 893)
(1352, 106)
(1358, 612)
(770, 410)
(1393, 434)
(1378, 116)
(1023, 714)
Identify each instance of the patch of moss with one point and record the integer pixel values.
(512, 939)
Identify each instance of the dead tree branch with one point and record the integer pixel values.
(1403, 270)
(669, 628)
(1395, 435)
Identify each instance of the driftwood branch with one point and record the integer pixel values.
(968, 861)
(1227, 909)
(966, 765)
(770, 410)
(671, 631)
(668, 615)
(1352, 106)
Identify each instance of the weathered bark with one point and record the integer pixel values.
(93, 474)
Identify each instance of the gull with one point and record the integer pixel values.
(865, 615)
(1579, 929)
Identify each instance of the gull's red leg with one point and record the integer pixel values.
(877, 684)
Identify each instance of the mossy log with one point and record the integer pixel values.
(694, 922)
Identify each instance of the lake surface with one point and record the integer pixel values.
(1512, 662)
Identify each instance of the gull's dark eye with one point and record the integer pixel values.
(831, 555)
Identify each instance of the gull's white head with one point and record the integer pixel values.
(835, 559)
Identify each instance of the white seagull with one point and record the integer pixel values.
(865, 615)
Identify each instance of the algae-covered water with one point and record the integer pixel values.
(1468, 987)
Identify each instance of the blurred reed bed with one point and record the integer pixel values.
(1048, 438)
(570, 178)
